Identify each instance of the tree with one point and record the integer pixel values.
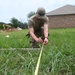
(14, 22)
(31, 14)
(25, 25)
(1, 25)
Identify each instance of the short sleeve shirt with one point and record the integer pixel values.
(36, 23)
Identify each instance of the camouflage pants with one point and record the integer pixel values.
(38, 34)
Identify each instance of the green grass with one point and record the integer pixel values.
(58, 56)
(16, 39)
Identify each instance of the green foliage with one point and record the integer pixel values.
(58, 57)
(1, 25)
(31, 14)
(25, 25)
(16, 23)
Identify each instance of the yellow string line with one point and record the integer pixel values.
(37, 66)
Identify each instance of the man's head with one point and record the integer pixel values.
(41, 12)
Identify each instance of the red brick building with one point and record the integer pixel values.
(63, 17)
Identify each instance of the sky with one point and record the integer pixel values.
(21, 8)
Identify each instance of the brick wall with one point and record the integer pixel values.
(63, 21)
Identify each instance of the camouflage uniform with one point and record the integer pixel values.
(37, 25)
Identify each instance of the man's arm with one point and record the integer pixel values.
(46, 30)
(31, 30)
(45, 33)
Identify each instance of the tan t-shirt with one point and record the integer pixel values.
(37, 23)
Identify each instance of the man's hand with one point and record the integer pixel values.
(39, 40)
(45, 41)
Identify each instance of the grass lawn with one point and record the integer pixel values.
(58, 56)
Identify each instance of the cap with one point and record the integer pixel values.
(41, 12)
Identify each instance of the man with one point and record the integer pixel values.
(38, 28)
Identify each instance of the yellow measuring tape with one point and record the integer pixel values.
(37, 66)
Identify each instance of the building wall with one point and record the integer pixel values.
(63, 21)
